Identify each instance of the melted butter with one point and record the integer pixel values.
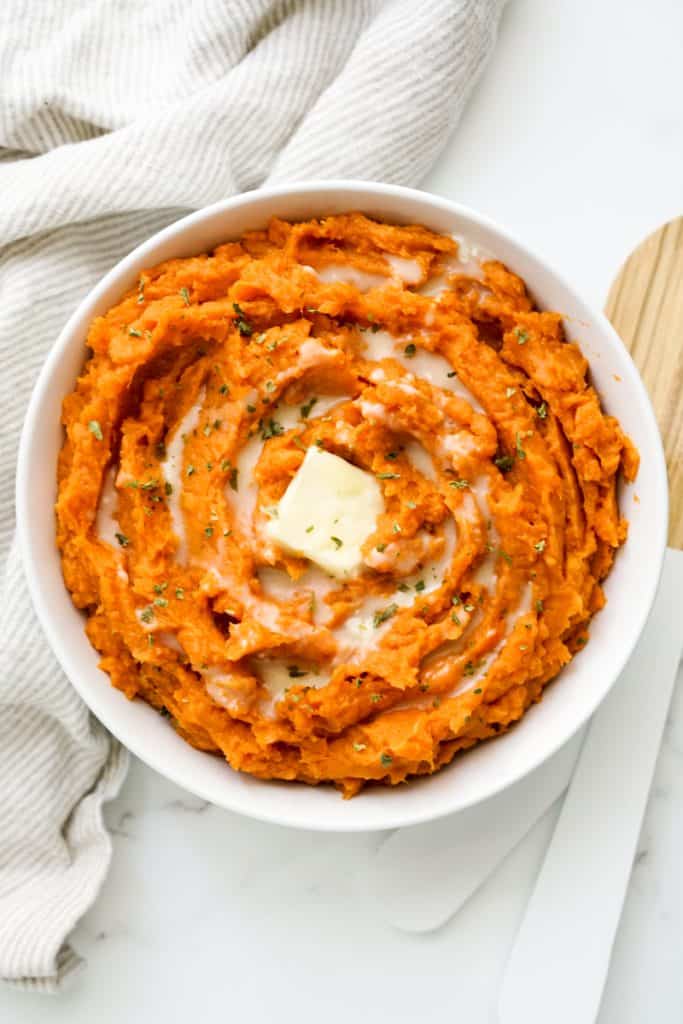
(172, 470)
(106, 525)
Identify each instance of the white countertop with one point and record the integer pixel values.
(574, 141)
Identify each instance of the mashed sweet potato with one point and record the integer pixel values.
(422, 364)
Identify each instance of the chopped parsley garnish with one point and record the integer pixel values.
(358, 747)
(388, 476)
(521, 454)
(190, 470)
(271, 429)
(452, 373)
(468, 669)
(455, 599)
(185, 296)
(539, 605)
(419, 586)
(375, 697)
(504, 463)
(309, 529)
(504, 555)
(180, 593)
(225, 465)
(250, 407)
(403, 587)
(241, 322)
(337, 542)
(385, 615)
(209, 531)
(460, 485)
(386, 759)
(522, 336)
(307, 406)
(233, 478)
(455, 619)
(168, 488)
(294, 672)
(392, 455)
(540, 546)
(95, 429)
(478, 690)
(160, 602)
(224, 389)
(381, 547)
(396, 528)
(468, 607)
(147, 614)
(410, 350)
(136, 334)
(159, 588)
(270, 386)
(542, 411)
(122, 539)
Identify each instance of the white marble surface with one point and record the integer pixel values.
(574, 140)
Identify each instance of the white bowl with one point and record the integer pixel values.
(492, 766)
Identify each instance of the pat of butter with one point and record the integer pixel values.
(328, 511)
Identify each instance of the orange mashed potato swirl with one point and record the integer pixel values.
(426, 367)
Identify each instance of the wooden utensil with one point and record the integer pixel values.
(645, 304)
(560, 959)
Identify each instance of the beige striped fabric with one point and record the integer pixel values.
(114, 120)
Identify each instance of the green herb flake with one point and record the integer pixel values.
(539, 546)
(504, 463)
(159, 588)
(160, 602)
(134, 333)
(122, 539)
(403, 587)
(185, 295)
(190, 470)
(459, 485)
(294, 672)
(381, 547)
(539, 606)
(419, 586)
(375, 697)
(504, 555)
(180, 593)
(388, 476)
(224, 389)
(358, 747)
(209, 531)
(385, 615)
(454, 618)
(337, 542)
(468, 608)
(542, 411)
(241, 322)
(522, 336)
(396, 528)
(410, 350)
(478, 690)
(147, 614)
(250, 407)
(233, 478)
(309, 529)
(521, 454)
(271, 429)
(386, 759)
(96, 430)
(307, 406)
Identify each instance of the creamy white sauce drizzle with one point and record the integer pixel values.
(106, 525)
(467, 261)
(429, 366)
(351, 275)
(172, 470)
(421, 459)
(469, 682)
(405, 270)
(278, 585)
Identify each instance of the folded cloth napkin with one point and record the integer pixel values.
(114, 120)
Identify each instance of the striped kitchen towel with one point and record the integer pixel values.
(115, 119)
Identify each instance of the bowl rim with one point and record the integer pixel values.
(120, 728)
